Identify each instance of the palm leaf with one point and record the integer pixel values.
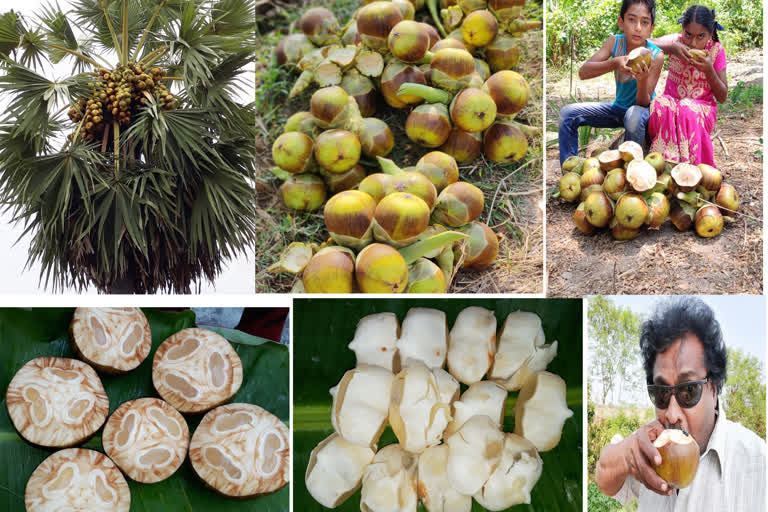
(324, 327)
(26, 334)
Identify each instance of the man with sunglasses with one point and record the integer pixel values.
(685, 365)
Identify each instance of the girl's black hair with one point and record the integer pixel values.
(650, 4)
(704, 16)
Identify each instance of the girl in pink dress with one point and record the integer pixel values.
(683, 118)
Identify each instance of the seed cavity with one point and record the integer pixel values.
(220, 460)
(181, 385)
(132, 340)
(79, 408)
(269, 447)
(217, 366)
(64, 374)
(63, 479)
(227, 422)
(99, 335)
(184, 349)
(170, 425)
(159, 456)
(103, 490)
(126, 428)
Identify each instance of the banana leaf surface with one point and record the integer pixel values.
(324, 327)
(29, 333)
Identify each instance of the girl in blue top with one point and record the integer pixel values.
(634, 90)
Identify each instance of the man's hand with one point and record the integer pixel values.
(641, 456)
(622, 66)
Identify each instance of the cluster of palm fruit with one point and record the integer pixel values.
(624, 191)
(402, 230)
(383, 52)
(115, 95)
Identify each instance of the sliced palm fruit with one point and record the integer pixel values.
(112, 340)
(474, 453)
(472, 344)
(56, 402)
(424, 337)
(541, 410)
(417, 415)
(375, 341)
(521, 348)
(389, 482)
(484, 398)
(435, 492)
(335, 470)
(293, 259)
(241, 450)
(77, 479)
(147, 439)
(513, 480)
(361, 404)
(195, 370)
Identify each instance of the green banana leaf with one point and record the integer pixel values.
(324, 327)
(29, 333)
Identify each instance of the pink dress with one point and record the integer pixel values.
(683, 118)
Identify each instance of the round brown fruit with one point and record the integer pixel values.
(708, 221)
(409, 41)
(329, 106)
(479, 28)
(679, 457)
(463, 146)
(570, 187)
(375, 21)
(348, 217)
(414, 182)
(331, 270)
(473, 110)
(400, 218)
(304, 192)
(337, 150)
(580, 219)
(380, 268)
(504, 142)
(509, 90)
(481, 247)
(441, 169)
(428, 125)
(631, 211)
(458, 204)
(376, 185)
(599, 209)
(292, 152)
(727, 199)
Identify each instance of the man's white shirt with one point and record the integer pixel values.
(731, 476)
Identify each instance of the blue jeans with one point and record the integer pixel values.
(600, 115)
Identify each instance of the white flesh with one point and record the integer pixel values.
(481, 398)
(513, 480)
(389, 482)
(435, 492)
(541, 410)
(416, 414)
(519, 342)
(474, 452)
(335, 470)
(447, 386)
(472, 344)
(375, 341)
(424, 337)
(361, 404)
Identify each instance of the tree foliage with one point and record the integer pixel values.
(744, 392)
(614, 353)
(157, 203)
(584, 25)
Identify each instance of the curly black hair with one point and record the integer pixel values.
(670, 321)
(650, 4)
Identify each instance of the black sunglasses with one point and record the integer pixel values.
(687, 394)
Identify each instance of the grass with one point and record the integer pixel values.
(512, 191)
(743, 99)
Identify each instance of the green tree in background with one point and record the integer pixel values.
(613, 347)
(744, 391)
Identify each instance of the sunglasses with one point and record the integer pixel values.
(687, 394)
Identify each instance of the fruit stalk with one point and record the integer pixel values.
(418, 249)
(430, 94)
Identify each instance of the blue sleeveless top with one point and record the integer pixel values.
(626, 86)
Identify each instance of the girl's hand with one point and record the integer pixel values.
(640, 74)
(680, 51)
(705, 65)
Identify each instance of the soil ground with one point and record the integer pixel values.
(665, 261)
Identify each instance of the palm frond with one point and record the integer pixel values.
(14, 35)
(58, 34)
(233, 17)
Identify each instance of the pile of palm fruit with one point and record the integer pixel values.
(422, 219)
(622, 190)
(115, 95)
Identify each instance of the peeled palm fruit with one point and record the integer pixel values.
(424, 337)
(541, 410)
(361, 404)
(375, 341)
